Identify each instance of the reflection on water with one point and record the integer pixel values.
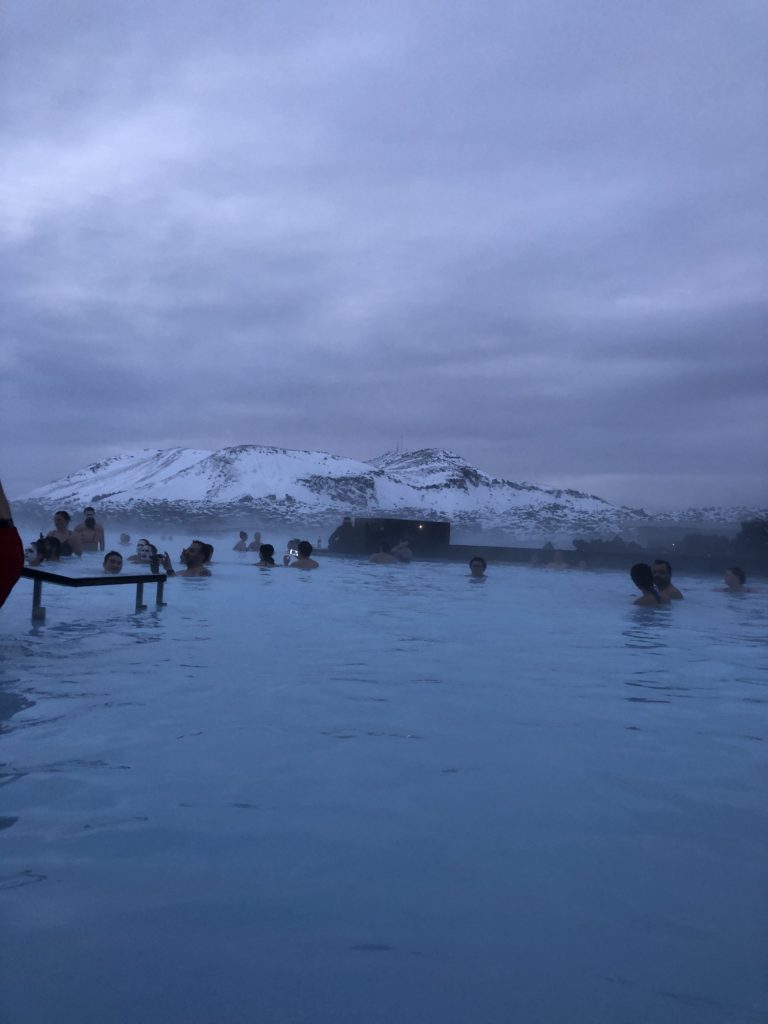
(278, 773)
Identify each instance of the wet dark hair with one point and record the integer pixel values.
(267, 553)
(207, 549)
(243, 533)
(90, 522)
(478, 558)
(642, 577)
(51, 549)
(739, 573)
(109, 554)
(61, 512)
(304, 548)
(663, 561)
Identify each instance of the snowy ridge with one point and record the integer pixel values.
(257, 482)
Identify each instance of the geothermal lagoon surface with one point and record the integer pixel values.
(383, 794)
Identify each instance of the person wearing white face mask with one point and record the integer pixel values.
(144, 552)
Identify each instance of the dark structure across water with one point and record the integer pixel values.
(364, 536)
(431, 541)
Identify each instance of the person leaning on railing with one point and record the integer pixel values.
(11, 550)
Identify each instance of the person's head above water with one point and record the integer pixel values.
(642, 577)
(477, 565)
(61, 519)
(51, 549)
(662, 575)
(735, 577)
(198, 553)
(36, 550)
(113, 562)
(194, 554)
(662, 572)
(267, 553)
(145, 550)
(303, 553)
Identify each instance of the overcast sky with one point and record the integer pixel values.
(533, 232)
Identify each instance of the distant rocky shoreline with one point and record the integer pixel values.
(252, 485)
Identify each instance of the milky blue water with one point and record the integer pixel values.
(384, 794)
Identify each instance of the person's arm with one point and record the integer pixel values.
(11, 549)
(100, 538)
(76, 543)
(156, 562)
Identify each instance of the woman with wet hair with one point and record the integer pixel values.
(267, 556)
(735, 580)
(68, 539)
(642, 577)
(44, 549)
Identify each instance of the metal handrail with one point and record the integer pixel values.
(40, 576)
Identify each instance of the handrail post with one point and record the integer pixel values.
(38, 612)
(40, 576)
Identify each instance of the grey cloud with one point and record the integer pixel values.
(533, 233)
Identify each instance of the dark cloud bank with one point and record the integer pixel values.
(533, 233)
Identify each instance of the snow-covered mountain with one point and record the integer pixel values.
(252, 483)
(711, 516)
